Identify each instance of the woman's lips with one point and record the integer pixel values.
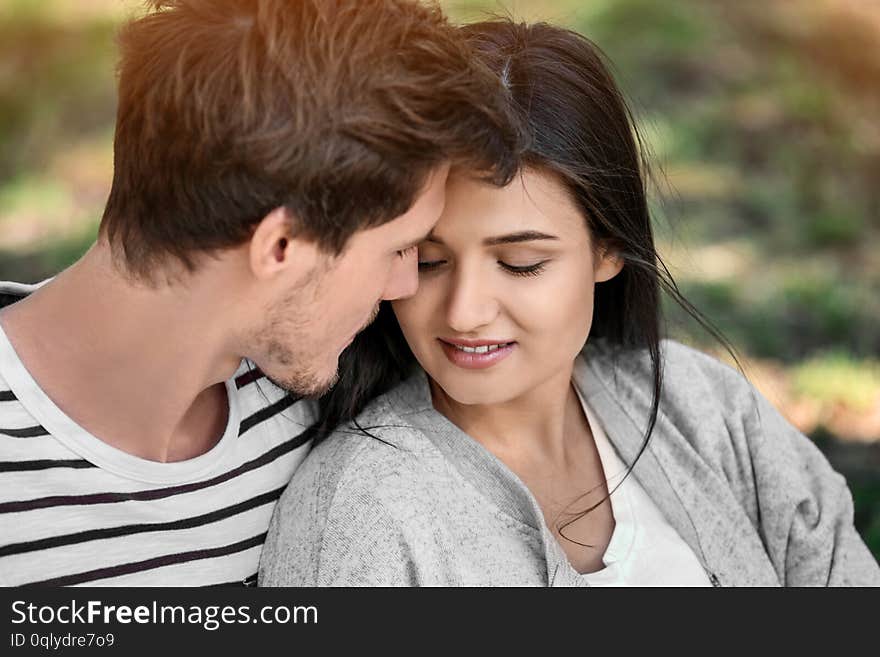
(476, 360)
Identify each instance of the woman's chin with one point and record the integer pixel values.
(473, 394)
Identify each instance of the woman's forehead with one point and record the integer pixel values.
(533, 201)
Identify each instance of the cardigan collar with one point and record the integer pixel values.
(595, 376)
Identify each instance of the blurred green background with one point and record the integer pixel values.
(763, 122)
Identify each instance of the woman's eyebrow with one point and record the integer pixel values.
(523, 236)
(511, 238)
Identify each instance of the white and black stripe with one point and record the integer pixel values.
(151, 564)
(43, 464)
(266, 413)
(130, 530)
(69, 522)
(25, 432)
(156, 493)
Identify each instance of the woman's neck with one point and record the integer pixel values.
(538, 426)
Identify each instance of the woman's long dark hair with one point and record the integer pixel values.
(578, 126)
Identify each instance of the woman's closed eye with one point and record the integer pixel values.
(429, 265)
(426, 266)
(524, 270)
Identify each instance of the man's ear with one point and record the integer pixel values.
(273, 248)
(607, 265)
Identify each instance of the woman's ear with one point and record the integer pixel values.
(607, 265)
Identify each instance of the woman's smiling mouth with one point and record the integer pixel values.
(476, 354)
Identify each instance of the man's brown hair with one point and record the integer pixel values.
(335, 109)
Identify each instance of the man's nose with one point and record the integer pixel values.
(403, 280)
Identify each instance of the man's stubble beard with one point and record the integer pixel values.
(293, 351)
(306, 384)
(373, 316)
(284, 341)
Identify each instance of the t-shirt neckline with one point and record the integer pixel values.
(625, 523)
(96, 451)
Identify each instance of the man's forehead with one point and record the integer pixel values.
(417, 232)
(419, 221)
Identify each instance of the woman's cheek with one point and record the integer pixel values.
(414, 317)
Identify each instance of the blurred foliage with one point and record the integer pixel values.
(761, 118)
(56, 83)
(838, 378)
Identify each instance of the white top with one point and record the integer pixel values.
(645, 550)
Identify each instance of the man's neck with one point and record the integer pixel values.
(141, 368)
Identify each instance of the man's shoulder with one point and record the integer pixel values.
(17, 421)
(10, 291)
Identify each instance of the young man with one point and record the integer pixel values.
(275, 163)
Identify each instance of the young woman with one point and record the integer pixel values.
(519, 420)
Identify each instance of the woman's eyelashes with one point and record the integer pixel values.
(524, 270)
(429, 265)
(426, 266)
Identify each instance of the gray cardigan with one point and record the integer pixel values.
(428, 505)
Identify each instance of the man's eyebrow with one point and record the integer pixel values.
(511, 238)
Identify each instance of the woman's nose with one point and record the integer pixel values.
(471, 303)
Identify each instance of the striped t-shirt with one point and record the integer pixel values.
(74, 510)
